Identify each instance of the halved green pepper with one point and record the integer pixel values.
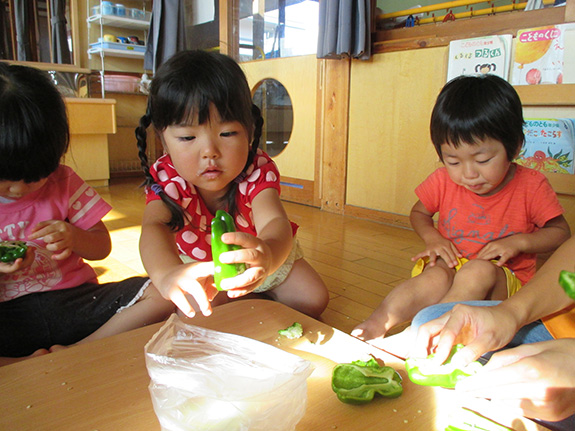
(567, 282)
(12, 250)
(222, 223)
(358, 382)
(422, 371)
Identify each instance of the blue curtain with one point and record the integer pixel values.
(344, 29)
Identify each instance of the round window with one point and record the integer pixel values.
(274, 101)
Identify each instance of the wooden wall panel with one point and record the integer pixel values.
(299, 75)
(389, 149)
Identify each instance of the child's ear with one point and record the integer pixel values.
(160, 137)
(517, 151)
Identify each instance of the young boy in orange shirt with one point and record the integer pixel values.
(494, 215)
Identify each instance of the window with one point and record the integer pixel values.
(277, 28)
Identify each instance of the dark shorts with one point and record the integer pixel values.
(41, 320)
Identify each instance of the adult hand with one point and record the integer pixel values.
(538, 378)
(480, 329)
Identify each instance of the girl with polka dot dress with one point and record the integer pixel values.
(200, 108)
(50, 297)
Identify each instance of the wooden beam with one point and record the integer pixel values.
(334, 87)
(570, 11)
(229, 27)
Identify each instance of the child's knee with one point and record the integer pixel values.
(438, 276)
(478, 269)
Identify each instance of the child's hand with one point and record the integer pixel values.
(442, 248)
(190, 286)
(58, 236)
(501, 250)
(18, 264)
(255, 253)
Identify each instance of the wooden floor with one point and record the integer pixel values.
(359, 260)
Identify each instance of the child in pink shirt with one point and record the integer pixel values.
(51, 296)
(493, 215)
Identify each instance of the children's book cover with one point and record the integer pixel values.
(549, 145)
(480, 55)
(540, 53)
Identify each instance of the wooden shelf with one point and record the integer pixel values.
(121, 22)
(117, 53)
(547, 94)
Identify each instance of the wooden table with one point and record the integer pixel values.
(103, 385)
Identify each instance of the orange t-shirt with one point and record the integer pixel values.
(561, 324)
(470, 221)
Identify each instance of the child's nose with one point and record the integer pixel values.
(210, 150)
(469, 171)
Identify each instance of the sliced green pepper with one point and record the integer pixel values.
(423, 372)
(292, 332)
(222, 223)
(12, 250)
(358, 382)
(468, 420)
(567, 282)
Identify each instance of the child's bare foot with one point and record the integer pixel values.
(57, 348)
(369, 330)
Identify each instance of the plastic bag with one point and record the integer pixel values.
(210, 381)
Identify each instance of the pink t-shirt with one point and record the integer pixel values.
(195, 238)
(470, 221)
(65, 196)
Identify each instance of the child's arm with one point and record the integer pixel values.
(555, 232)
(436, 245)
(63, 239)
(265, 253)
(189, 286)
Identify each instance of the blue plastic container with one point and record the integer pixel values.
(108, 8)
(120, 9)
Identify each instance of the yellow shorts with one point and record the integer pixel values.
(513, 283)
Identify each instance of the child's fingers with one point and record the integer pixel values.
(178, 298)
(243, 239)
(248, 280)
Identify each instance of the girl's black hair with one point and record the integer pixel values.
(34, 132)
(472, 108)
(182, 90)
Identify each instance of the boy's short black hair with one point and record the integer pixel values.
(472, 108)
(34, 132)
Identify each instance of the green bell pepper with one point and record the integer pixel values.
(567, 282)
(222, 223)
(422, 372)
(12, 250)
(358, 382)
(467, 420)
(292, 332)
